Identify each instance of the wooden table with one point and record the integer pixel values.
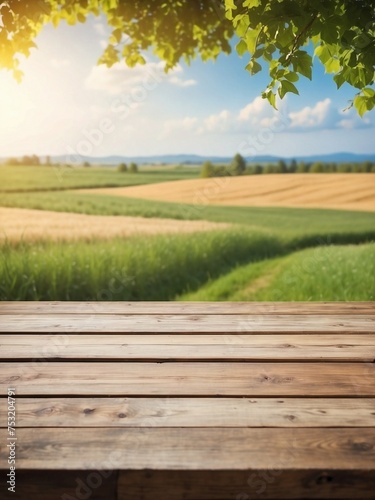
(189, 401)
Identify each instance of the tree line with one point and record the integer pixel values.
(34, 160)
(238, 166)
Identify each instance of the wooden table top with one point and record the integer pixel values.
(193, 387)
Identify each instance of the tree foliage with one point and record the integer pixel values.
(122, 167)
(277, 34)
(238, 165)
(133, 168)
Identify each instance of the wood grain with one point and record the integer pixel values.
(246, 485)
(62, 485)
(207, 308)
(311, 347)
(185, 323)
(189, 379)
(193, 448)
(193, 412)
(209, 401)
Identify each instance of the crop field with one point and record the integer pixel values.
(336, 191)
(18, 224)
(59, 243)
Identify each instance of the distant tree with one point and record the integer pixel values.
(302, 167)
(254, 170)
(330, 167)
(237, 165)
(293, 166)
(86, 164)
(367, 166)
(356, 167)
(317, 167)
(344, 168)
(270, 169)
(12, 162)
(133, 168)
(30, 160)
(48, 160)
(35, 160)
(207, 169)
(122, 167)
(282, 167)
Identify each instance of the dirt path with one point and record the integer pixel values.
(24, 224)
(336, 191)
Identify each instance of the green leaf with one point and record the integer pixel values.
(323, 53)
(251, 40)
(229, 4)
(368, 92)
(251, 3)
(117, 34)
(339, 79)
(332, 65)
(285, 87)
(243, 26)
(254, 67)
(241, 47)
(291, 76)
(271, 97)
(81, 17)
(302, 63)
(360, 103)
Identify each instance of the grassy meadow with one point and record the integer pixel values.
(270, 253)
(20, 178)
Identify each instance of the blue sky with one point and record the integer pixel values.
(68, 105)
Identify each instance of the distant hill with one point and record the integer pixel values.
(190, 159)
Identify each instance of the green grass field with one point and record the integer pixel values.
(151, 268)
(44, 178)
(321, 273)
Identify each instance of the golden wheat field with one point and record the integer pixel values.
(30, 225)
(336, 191)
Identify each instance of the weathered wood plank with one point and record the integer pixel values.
(189, 379)
(192, 412)
(155, 307)
(245, 485)
(62, 485)
(190, 485)
(186, 323)
(311, 347)
(193, 448)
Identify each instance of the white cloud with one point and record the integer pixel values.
(175, 80)
(121, 79)
(187, 124)
(349, 120)
(217, 123)
(252, 110)
(346, 123)
(310, 117)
